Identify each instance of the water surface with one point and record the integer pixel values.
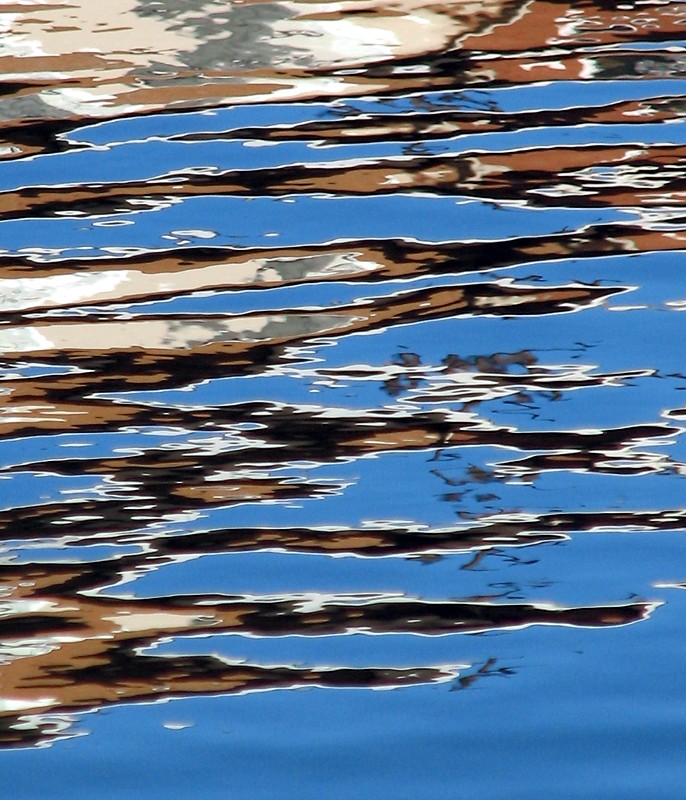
(342, 399)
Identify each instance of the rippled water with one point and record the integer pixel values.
(341, 353)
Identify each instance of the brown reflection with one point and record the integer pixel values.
(103, 675)
(580, 176)
(488, 532)
(75, 59)
(566, 24)
(72, 61)
(26, 286)
(606, 176)
(66, 648)
(157, 484)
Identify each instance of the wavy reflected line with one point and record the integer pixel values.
(482, 532)
(154, 352)
(327, 434)
(141, 491)
(64, 650)
(587, 174)
(28, 716)
(101, 617)
(430, 116)
(29, 286)
(298, 431)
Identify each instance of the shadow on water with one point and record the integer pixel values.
(348, 279)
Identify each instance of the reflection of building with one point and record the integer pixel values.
(88, 59)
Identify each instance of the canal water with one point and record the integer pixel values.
(342, 399)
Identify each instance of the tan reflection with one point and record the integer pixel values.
(363, 31)
(93, 286)
(161, 334)
(25, 285)
(237, 333)
(94, 59)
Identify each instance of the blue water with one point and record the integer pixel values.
(341, 404)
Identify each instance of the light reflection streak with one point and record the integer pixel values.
(132, 440)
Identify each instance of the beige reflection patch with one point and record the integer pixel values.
(163, 334)
(105, 59)
(72, 289)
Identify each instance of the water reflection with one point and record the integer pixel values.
(375, 285)
(70, 58)
(66, 646)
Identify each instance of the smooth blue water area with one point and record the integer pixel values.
(296, 220)
(608, 342)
